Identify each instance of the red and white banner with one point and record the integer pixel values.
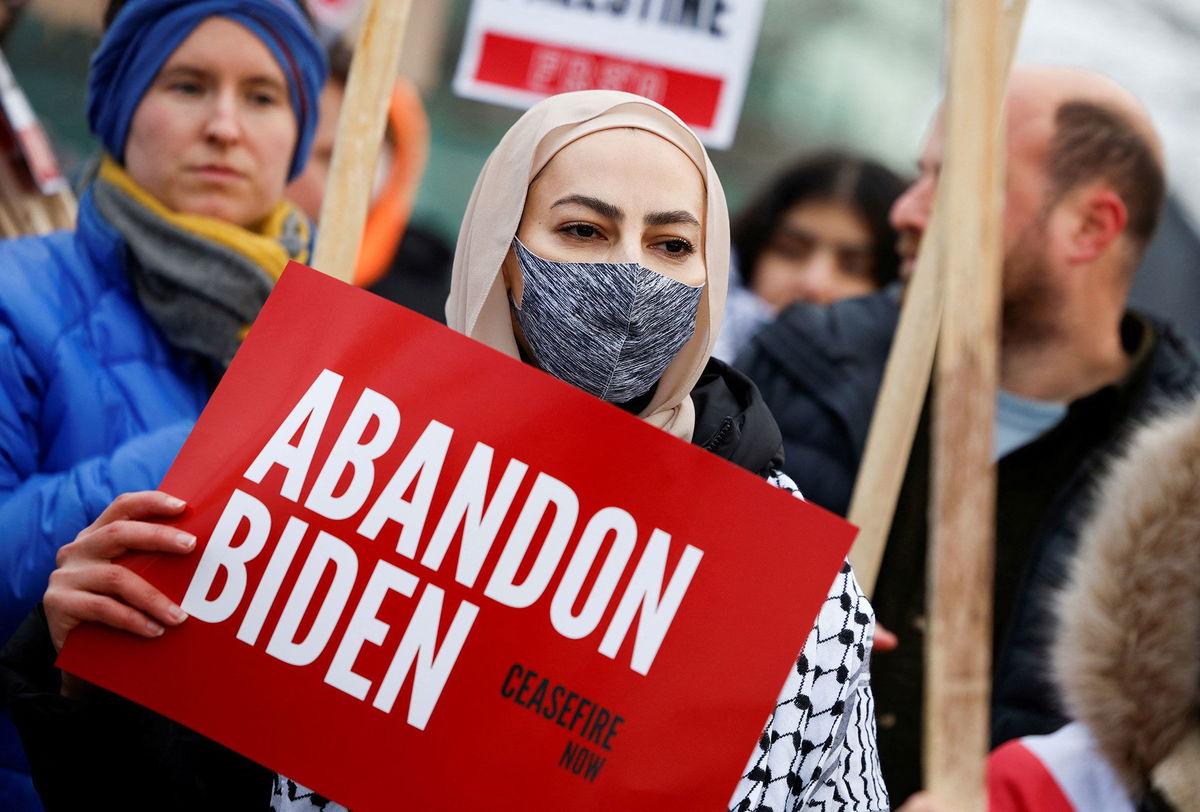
(1063, 771)
(691, 57)
(432, 577)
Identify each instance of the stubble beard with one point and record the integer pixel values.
(1031, 304)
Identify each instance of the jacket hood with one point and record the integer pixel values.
(835, 354)
(733, 421)
(1127, 650)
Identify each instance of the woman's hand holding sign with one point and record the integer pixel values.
(90, 586)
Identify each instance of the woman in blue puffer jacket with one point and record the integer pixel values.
(113, 336)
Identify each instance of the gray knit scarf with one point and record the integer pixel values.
(200, 293)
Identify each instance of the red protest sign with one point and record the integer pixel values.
(442, 558)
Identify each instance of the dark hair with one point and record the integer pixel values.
(12, 10)
(1094, 141)
(114, 6)
(867, 187)
(339, 54)
(111, 10)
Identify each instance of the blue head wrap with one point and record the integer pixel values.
(146, 32)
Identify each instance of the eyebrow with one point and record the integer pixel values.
(606, 209)
(670, 218)
(184, 69)
(597, 205)
(839, 245)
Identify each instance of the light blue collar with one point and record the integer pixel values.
(1020, 421)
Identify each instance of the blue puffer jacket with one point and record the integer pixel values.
(93, 403)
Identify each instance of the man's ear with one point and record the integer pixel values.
(1101, 218)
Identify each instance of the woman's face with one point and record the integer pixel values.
(819, 252)
(620, 195)
(214, 134)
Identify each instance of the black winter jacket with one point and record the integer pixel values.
(1171, 375)
(819, 370)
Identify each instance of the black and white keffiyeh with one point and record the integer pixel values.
(818, 748)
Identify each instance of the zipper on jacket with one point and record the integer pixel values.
(720, 436)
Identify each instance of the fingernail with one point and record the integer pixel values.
(175, 502)
(186, 540)
(154, 628)
(177, 614)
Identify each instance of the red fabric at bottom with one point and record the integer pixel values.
(1018, 781)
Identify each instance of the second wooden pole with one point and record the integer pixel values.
(962, 513)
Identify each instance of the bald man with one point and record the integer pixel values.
(1084, 190)
(1077, 370)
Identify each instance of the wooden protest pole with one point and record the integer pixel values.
(360, 132)
(906, 376)
(897, 410)
(962, 511)
(983, 42)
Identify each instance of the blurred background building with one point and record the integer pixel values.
(858, 73)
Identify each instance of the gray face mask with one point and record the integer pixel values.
(608, 328)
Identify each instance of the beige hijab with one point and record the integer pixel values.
(478, 304)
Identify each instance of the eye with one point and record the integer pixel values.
(678, 247)
(186, 87)
(793, 246)
(854, 262)
(262, 98)
(582, 231)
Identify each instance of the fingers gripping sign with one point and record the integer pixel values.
(89, 585)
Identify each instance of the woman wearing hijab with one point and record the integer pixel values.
(112, 336)
(596, 247)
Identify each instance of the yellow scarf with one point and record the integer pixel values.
(260, 245)
(200, 279)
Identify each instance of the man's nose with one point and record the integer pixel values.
(912, 210)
